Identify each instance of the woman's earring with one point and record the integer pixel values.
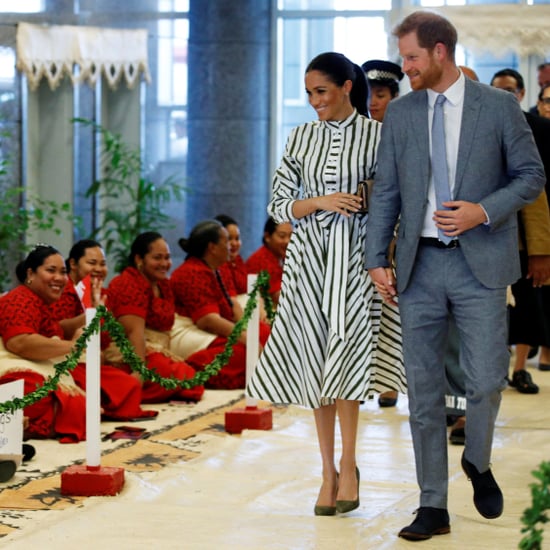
(29, 281)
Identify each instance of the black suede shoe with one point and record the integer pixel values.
(488, 498)
(428, 522)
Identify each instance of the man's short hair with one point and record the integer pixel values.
(430, 29)
(514, 74)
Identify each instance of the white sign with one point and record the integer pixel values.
(11, 424)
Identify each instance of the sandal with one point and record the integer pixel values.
(522, 381)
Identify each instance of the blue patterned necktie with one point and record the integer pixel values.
(439, 161)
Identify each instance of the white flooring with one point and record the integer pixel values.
(257, 491)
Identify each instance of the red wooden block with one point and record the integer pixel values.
(81, 480)
(249, 418)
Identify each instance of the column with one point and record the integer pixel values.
(228, 114)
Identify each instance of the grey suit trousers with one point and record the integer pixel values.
(441, 284)
(456, 396)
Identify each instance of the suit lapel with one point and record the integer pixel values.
(470, 116)
(419, 125)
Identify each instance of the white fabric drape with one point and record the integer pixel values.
(52, 51)
(501, 28)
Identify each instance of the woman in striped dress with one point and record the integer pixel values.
(333, 343)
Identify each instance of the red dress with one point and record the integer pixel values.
(131, 294)
(264, 259)
(197, 292)
(235, 274)
(62, 414)
(120, 392)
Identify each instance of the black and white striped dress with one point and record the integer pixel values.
(332, 336)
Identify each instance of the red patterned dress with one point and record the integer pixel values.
(234, 272)
(264, 260)
(131, 294)
(198, 292)
(62, 413)
(120, 392)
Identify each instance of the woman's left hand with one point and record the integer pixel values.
(342, 203)
(97, 286)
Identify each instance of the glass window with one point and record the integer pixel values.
(167, 108)
(434, 3)
(300, 39)
(7, 66)
(172, 62)
(10, 126)
(347, 5)
(21, 6)
(173, 5)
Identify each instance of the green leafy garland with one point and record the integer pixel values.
(540, 493)
(116, 331)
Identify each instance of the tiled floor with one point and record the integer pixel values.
(257, 490)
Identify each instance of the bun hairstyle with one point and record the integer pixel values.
(141, 245)
(338, 68)
(34, 260)
(204, 233)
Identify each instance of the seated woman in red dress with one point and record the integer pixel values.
(120, 391)
(201, 293)
(234, 271)
(141, 299)
(271, 255)
(33, 343)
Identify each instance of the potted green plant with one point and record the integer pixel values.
(20, 213)
(130, 202)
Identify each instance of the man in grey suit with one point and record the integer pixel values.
(455, 258)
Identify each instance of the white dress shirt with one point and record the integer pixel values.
(452, 112)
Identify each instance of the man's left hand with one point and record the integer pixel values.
(461, 216)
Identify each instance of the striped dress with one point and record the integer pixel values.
(332, 338)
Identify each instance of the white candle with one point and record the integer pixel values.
(252, 339)
(93, 396)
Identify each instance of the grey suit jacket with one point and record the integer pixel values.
(498, 165)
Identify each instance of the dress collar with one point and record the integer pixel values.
(338, 124)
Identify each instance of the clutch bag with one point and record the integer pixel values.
(364, 188)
